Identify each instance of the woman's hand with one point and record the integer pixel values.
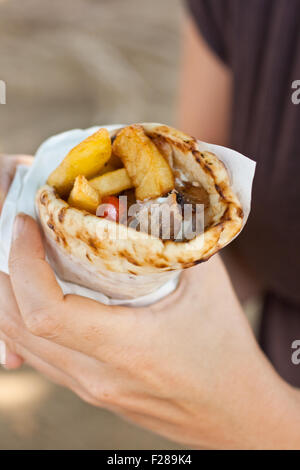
(187, 367)
(8, 165)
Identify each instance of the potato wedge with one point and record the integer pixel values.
(111, 183)
(114, 163)
(85, 159)
(147, 168)
(84, 196)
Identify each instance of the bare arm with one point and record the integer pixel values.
(204, 111)
(205, 90)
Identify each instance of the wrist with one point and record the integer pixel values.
(276, 415)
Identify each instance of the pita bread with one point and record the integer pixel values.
(85, 249)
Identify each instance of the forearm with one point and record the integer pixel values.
(266, 409)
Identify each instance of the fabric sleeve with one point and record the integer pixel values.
(211, 16)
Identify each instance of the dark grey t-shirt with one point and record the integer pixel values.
(260, 41)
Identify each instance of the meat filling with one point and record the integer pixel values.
(179, 216)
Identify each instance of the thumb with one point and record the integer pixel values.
(32, 278)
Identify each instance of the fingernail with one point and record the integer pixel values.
(19, 225)
(13, 361)
(3, 353)
(8, 359)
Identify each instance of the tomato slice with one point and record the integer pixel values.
(110, 208)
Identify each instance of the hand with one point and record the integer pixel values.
(187, 367)
(8, 165)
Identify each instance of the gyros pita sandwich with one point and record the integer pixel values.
(152, 165)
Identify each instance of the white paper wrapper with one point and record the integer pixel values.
(21, 198)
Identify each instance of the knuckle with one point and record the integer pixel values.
(103, 393)
(89, 399)
(43, 323)
(10, 329)
(109, 396)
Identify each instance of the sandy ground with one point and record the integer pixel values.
(76, 63)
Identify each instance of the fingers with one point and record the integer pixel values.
(14, 329)
(92, 380)
(48, 370)
(51, 372)
(12, 360)
(75, 322)
(57, 376)
(26, 160)
(62, 365)
(9, 164)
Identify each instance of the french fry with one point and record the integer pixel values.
(111, 183)
(147, 168)
(84, 196)
(85, 159)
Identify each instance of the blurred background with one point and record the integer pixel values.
(67, 64)
(76, 63)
